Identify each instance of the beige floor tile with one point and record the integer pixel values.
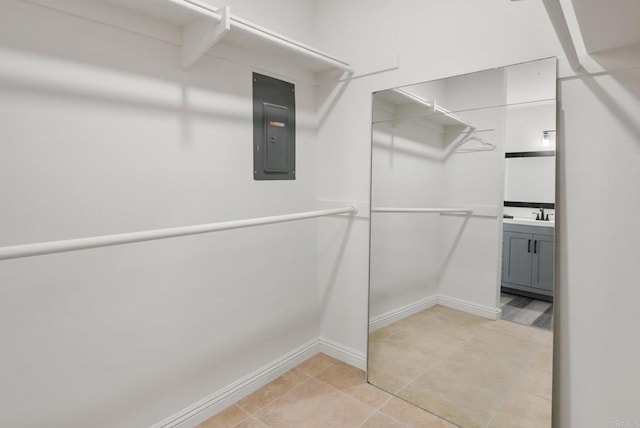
(380, 420)
(386, 331)
(377, 335)
(315, 404)
(383, 350)
(450, 325)
(481, 363)
(432, 343)
(418, 318)
(412, 416)
(523, 332)
(316, 364)
(368, 394)
(342, 376)
(271, 391)
(435, 323)
(443, 408)
(437, 359)
(464, 388)
(523, 410)
(502, 370)
(402, 363)
(495, 344)
(455, 317)
(250, 423)
(228, 418)
(385, 381)
(402, 374)
(537, 382)
(445, 341)
(543, 360)
(463, 332)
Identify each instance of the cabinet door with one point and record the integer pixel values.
(543, 262)
(517, 258)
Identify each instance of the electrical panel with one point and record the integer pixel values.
(274, 129)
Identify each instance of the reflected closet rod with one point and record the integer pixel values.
(467, 211)
(29, 250)
(433, 106)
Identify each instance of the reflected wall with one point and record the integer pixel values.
(437, 197)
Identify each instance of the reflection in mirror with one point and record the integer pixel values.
(461, 280)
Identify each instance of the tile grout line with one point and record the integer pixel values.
(275, 399)
(306, 378)
(379, 409)
(516, 336)
(511, 386)
(254, 414)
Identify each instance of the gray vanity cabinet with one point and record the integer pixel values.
(528, 259)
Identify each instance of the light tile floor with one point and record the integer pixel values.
(467, 369)
(322, 392)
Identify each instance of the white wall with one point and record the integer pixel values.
(414, 256)
(475, 179)
(526, 121)
(93, 336)
(596, 333)
(502, 36)
(102, 133)
(525, 125)
(407, 171)
(596, 349)
(530, 179)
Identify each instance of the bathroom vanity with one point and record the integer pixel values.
(528, 257)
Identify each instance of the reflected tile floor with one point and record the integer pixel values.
(467, 369)
(322, 392)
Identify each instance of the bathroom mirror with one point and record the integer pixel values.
(461, 271)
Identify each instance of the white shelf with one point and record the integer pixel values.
(416, 106)
(411, 107)
(203, 26)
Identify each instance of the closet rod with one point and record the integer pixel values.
(421, 210)
(289, 44)
(263, 33)
(41, 248)
(433, 106)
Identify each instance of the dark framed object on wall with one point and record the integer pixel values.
(274, 129)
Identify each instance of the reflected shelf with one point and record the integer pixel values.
(435, 117)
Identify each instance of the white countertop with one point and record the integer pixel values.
(529, 222)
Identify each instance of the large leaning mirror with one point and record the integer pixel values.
(462, 245)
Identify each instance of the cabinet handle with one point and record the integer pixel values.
(535, 246)
(529, 246)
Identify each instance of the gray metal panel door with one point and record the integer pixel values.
(517, 258)
(274, 129)
(543, 262)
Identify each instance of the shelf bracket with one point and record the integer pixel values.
(201, 35)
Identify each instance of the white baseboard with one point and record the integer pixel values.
(402, 312)
(225, 397)
(469, 307)
(343, 353)
(438, 299)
